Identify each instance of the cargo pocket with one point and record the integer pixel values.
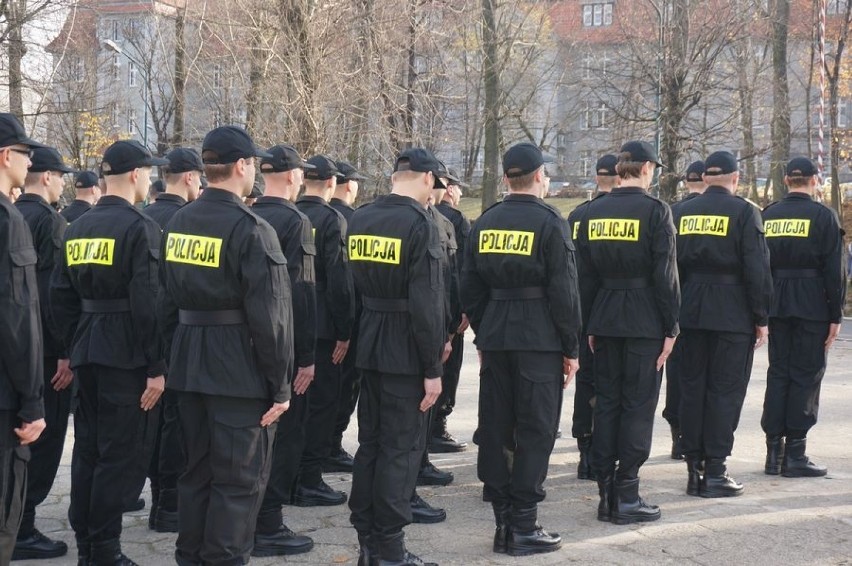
(15, 483)
(240, 447)
(436, 255)
(153, 267)
(277, 272)
(642, 380)
(309, 254)
(24, 290)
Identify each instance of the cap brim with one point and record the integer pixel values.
(66, 169)
(157, 162)
(262, 153)
(356, 177)
(306, 165)
(30, 142)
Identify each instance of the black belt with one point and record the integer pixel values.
(105, 306)
(211, 318)
(518, 294)
(627, 283)
(385, 305)
(797, 273)
(715, 278)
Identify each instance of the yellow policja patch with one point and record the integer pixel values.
(621, 229)
(791, 227)
(506, 242)
(90, 250)
(194, 250)
(364, 247)
(576, 230)
(701, 225)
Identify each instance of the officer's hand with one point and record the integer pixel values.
(153, 392)
(432, 387)
(64, 376)
(29, 432)
(448, 349)
(465, 324)
(833, 331)
(339, 352)
(304, 377)
(274, 413)
(592, 343)
(570, 366)
(761, 333)
(668, 346)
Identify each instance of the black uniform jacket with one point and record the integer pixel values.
(335, 301)
(395, 254)
(452, 297)
(21, 363)
(628, 271)
(575, 222)
(806, 253)
(75, 210)
(47, 228)
(347, 211)
(461, 225)
(522, 245)
(162, 209)
(219, 256)
(295, 234)
(110, 253)
(723, 262)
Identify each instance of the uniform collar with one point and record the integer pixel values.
(113, 200)
(273, 200)
(313, 199)
(628, 190)
(340, 202)
(519, 197)
(717, 190)
(220, 195)
(30, 197)
(80, 202)
(798, 196)
(169, 197)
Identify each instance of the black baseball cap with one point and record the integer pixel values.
(720, 163)
(455, 179)
(346, 172)
(48, 159)
(85, 180)
(522, 159)
(12, 132)
(695, 171)
(158, 186)
(183, 160)
(605, 167)
(420, 160)
(640, 152)
(127, 155)
(324, 168)
(448, 175)
(229, 144)
(283, 158)
(801, 167)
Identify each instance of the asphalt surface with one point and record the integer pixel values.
(776, 521)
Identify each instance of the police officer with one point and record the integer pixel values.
(724, 265)
(101, 297)
(335, 315)
(345, 194)
(440, 439)
(395, 253)
(626, 247)
(519, 288)
(694, 180)
(181, 184)
(43, 187)
(806, 251)
(226, 317)
(606, 179)
(87, 194)
(282, 177)
(21, 380)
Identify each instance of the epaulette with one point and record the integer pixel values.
(550, 208)
(748, 200)
(653, 198)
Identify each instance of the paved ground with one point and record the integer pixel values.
(777, 521)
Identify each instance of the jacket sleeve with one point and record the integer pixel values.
(665, 275)
(589, 278)
(462, 234)
(142, 292)
(426, 297)
(757, 275)
(49, 255)
(266, 300)
(167, 310)
(563, 293)
(833, 270)
(64, 301)
(339, 293)
(475, 292)
(300, 250)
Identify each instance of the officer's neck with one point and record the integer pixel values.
(85, 195)
(178, 190)
(123, 191)
(801, 191)
(37, 190)
(342, 193)
(317, 193)
(413, 192)
(279, 190)
(448, 201)
(532, 191)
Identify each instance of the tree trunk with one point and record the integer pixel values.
(253, 96)
(180, 78)
(410, 109)
(16, 49)
(490, 180)
(780, 134)
(746, 96)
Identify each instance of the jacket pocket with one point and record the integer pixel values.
(24, 288)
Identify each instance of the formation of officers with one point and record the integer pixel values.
(220, 351)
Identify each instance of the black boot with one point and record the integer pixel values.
(339, 461)
(392, 552)
(425, 514)
(501, 533)
(716, 481)
(108, 553)
(273, 538)
(606, 491)
(33, 545)
(796, 463)
(527, 537)
(677, 453)
(367, 554)
(155, 503)
(584, 468)
(442, 441)
(430, 475)
(84, 553)
(774, 455)
(320, 495)
(166, 516)
(629, 507)
(693, 481)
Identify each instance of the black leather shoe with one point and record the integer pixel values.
(774, 455)
(584, 467)
(606, 491)
(430, 475)
(36, 546)
(677, 453)
(108, 553)
(425, 514)
(693, 481)
(796, 463)
(536, 541)
(321, 495)
(281, 543)
(165, 521)
(408, 559)
(339, 461)
(629, 507)
(138, 505)
(446, 443)
(717, 482)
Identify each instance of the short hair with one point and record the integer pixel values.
(798, 182)
(405, 175)
(315, 183)
(727, 177)
(32, 178)
(523, 182)
(217, 172)
(606, 180)
(626, 168)
(174, 178)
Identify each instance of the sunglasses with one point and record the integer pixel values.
(27, 152)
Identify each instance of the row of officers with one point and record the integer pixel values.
(234, 342)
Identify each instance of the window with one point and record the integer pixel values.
(596, 66)
(597, 14)
(134, 28)
(116, 30)
(77, 68)
(132, 75)
(115, 67)
(835, 7)
(594, 116)
(844, 109)
(586, 163)
(131, 120)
